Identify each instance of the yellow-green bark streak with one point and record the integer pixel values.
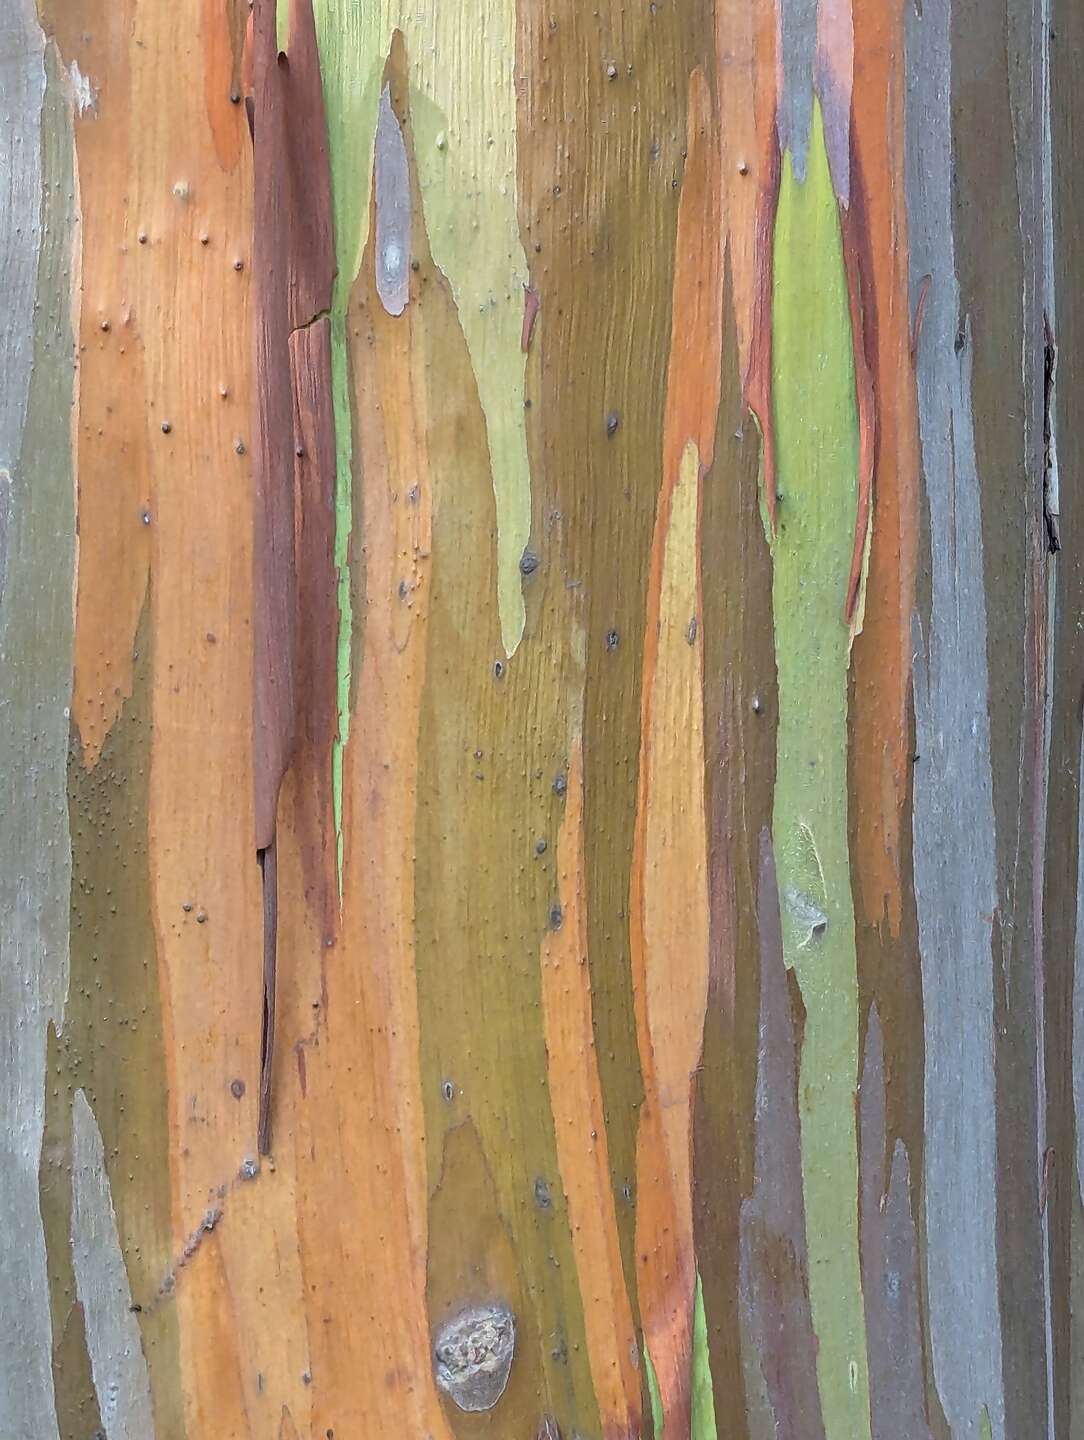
(816, 424)
(463, 104)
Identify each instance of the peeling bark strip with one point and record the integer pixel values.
(113, 1339)
(953, 794)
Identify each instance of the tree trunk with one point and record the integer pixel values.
(540, 720)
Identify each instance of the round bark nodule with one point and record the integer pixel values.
(472, 1355)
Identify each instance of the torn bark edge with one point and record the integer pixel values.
(269, 875)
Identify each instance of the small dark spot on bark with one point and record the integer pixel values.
(691, 632)
(448, 1091)
(238, 264)
(613, 420)
(540, 847)
(560, 784)
(528, 562)
(498, 669)
(235, 96)
(556, 917)
(166, 427)
(613, 639)
(758, 704)
(186, 906)
(237, 1088)
(542, 1197)
(201, 917)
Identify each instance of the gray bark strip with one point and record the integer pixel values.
(35, 685)
(798, 49)
(116, 1355)
(392, 210)
(22, 87)
(954, 828)
(1078, 990)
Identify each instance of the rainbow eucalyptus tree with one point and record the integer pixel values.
(541, 668)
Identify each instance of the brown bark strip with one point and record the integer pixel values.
(739, 730)
(294, 267)
(890, 1264)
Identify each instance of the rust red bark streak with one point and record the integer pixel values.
(314, 528)
(858, 266)
(920, 311)
(758, 381)
(274, 579)
(293, 269)
(531, 303)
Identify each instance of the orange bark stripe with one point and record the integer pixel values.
(882, 656)
(576, 1096)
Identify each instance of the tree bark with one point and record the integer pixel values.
(540, 720)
